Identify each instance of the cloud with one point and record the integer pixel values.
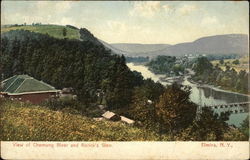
(42, 11)
(124, 32)
(187, 9)
(55, 7)
(63, 6)
(168, 8)
(209, 20)
(67, 20)
(119, 27)
(145, 9)
(179, 10)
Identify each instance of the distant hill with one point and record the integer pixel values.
(219, 44)
(113, 49)
(139, 48)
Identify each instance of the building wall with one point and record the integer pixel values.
(115, 118)
(35, 98)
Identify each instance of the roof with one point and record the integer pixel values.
(108, 114)
(127, 120)
(24, 84)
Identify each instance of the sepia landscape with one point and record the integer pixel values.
(124, 71)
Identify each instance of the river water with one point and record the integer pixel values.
(205, 95)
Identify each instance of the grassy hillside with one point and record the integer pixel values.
(27, 122)
(52, 30)
(244, 64)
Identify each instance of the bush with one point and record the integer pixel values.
(64, 103)
(236, 62)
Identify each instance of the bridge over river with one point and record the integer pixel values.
(233, 108)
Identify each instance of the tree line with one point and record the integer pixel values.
(166, 65)
(227, 79)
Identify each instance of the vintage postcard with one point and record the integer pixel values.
(124, 80)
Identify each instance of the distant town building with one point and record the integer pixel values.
(67, 92)
(127, 120)
(102, 107)
(99, 119)
(25, 88)
(111, 116)
(149, 101)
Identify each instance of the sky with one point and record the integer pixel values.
(148, 22)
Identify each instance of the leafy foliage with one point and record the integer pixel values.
(64, 31)
(244, 128)
(142, 108)
(236, 62)
(209, 126)
(202, 66)
(174, 109)
(221, 61)
(62, 103)
(164, 65)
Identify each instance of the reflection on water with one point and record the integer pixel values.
(203, 95)
(227, 97)
(209, 96)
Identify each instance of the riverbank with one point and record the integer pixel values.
(217, 88)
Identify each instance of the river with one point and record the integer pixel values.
(205, 95)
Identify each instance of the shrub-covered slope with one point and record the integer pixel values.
(24, 122)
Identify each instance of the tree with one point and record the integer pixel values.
(202, 66)
(234, 134)
(141, 110)
(236, 62)
(178, 68)
(120, 89)
(164, 65)
(64, 32)
(174, 110)
(221, 61)
(143, 104)
(210, 127)
(242, 81)
(244, 128)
